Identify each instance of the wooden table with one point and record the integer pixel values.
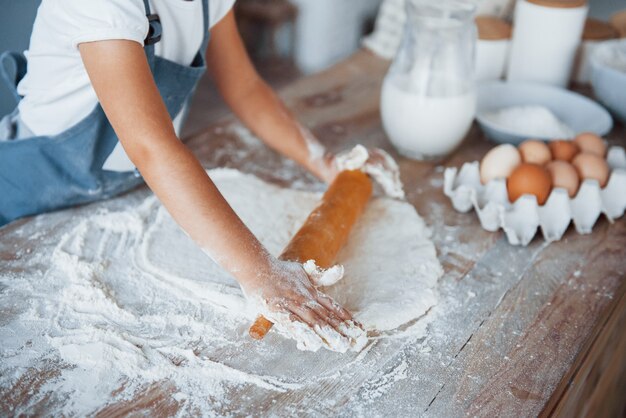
(520, 331)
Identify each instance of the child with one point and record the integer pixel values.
(105, 73)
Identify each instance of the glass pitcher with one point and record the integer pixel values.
(428, 99)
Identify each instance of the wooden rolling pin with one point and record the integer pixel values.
(326, 229)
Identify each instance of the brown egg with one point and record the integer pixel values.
(535, 152)
(529, 179)
(563, 150)
(590, 166)
(591, 144)
(564, 175)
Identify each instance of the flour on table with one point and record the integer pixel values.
(131, 302)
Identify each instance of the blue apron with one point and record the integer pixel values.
(46, 173)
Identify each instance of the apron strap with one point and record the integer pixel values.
(12, 70)
(154, 32)
(146, 5)
(205, 39)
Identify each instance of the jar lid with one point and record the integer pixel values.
(563, 4)
(597, 30)
(618, 21)
(491, 28)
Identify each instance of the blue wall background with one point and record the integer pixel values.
(16, 23)
(17, 16)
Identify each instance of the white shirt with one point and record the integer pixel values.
(56, 90)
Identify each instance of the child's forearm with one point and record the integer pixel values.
(267, 116)
(187, 192)
(257, 105)
(121, 77)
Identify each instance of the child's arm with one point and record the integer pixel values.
(257, 106)
(122, 79)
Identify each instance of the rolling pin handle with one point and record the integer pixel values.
(260, 327)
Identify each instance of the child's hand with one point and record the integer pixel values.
(289, 299)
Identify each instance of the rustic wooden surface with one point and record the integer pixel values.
(517, 332)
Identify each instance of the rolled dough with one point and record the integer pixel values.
(391, 267)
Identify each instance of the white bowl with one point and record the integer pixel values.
(608, 76)
(580, 113)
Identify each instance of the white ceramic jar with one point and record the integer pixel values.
(492, 49)
(546, 37)
(595, 33)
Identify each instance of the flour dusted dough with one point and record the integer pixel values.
(391, 267)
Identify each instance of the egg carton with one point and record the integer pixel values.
(521, 219)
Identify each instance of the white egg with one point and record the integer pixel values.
(499, 163)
